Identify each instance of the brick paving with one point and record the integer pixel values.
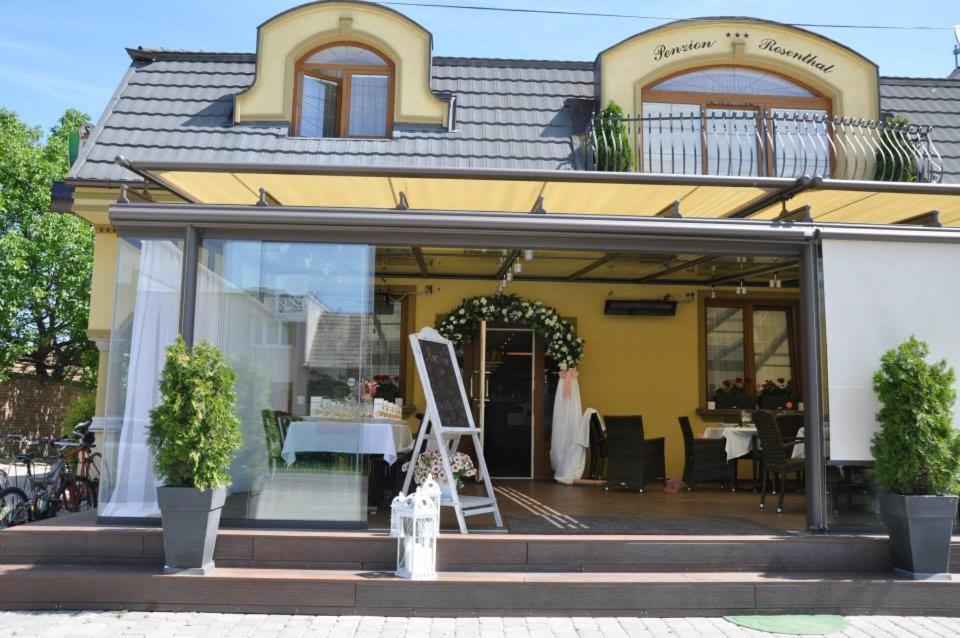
(169, 625)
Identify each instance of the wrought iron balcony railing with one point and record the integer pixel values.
(781, 144)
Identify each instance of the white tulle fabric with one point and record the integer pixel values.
(571, 438)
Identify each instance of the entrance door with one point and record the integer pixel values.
(509, 413)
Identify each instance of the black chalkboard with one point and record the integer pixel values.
(447, 394)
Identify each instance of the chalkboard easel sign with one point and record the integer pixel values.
(448, 418)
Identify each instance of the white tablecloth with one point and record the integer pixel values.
(740, 440)
(316, 435)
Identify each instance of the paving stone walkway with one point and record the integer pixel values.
(168, 625)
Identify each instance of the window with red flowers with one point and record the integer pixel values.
(750, 347)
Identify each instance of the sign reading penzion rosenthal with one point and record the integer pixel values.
(768, 46)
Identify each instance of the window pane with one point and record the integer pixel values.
(800, 143)
(671, 138)
(735, 80)
(368, 105)
(312, 304)
(346, 54)
(771, 345)
(318, 108)
(385, 335)
(732, 143)
(725, 347)
(145, 321)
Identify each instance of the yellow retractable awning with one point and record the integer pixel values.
(577, 192)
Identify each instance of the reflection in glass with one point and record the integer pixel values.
(672, 138)
(771, 344)
(145, 321)
(293, 318)
(318, 107)
(733, 147)
(368, 105)
(725, 347)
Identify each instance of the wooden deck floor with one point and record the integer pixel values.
(546, 507)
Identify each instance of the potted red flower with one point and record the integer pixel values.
(776, 395)
(732, 394)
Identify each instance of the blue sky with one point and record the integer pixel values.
(56, 54)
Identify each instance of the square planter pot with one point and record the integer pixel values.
(920, 528)
(191, 518)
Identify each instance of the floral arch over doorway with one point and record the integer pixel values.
(558, 335)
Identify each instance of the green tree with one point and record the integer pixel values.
(194, 430)
(917, 450)
(613, 151)
(46, 258)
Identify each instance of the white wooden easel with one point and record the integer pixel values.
(446, 437)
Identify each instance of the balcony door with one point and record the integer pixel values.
(734, 121)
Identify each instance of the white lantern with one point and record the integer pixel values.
(415, 523)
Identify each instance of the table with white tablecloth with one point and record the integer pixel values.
(314, 434)
(740, 440)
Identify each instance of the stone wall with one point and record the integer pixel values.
(34, 407)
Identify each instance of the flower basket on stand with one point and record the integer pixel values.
(430, 464)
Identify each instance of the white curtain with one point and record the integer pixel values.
(570, 440)
(155, 322)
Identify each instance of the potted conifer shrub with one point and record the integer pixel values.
(194, 433)
(917, 458)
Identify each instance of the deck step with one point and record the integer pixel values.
(58, 544)
(292, 591)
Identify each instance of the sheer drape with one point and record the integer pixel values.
(570, 440)
(154, 327)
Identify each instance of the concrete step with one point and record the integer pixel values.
(48, 544)
(291, 591)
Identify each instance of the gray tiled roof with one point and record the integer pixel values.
(177, 106)
(934, 102)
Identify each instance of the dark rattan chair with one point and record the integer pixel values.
(704, 460)
(789, 425)
(632, 460)
(775, 455)
(598, 447)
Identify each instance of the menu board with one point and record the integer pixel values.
(439, 363)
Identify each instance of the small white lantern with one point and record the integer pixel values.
(415, 523)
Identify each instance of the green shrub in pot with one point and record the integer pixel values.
(194, 434)
(917, 457)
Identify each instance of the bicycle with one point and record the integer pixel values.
(81, 481)
(16, 506)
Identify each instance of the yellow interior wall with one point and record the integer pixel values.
(286, 38)
(631, 365)
(851, 83)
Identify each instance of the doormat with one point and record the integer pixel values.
(651, 525)
(792, 625)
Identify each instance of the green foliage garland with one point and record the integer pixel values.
(562, 343)
(194, 430)
(917, 450)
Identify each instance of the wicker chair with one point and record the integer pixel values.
(789, 425)
(774, 455)
(273, 436)
(704, 460)
(598, 447)
(632, 460)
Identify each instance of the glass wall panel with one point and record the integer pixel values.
(725, 347)
(146, 320)
(295, 320)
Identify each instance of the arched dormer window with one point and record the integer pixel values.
(344, 90)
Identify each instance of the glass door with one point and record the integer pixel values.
(508, 412)
(732, 142)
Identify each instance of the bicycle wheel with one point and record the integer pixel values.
(94, 470)
(13, 507)
(41, 505)
(81, 495)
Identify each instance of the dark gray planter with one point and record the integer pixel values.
(191, 518)
(920, 528)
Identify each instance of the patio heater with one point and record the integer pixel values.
(415, 523)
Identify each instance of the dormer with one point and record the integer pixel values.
(342, 69)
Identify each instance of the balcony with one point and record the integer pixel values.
(740, 142)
